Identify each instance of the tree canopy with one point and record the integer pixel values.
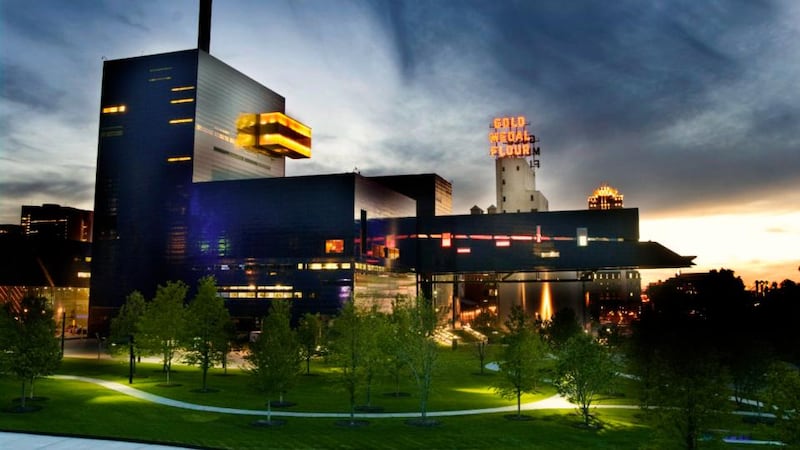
(206, 328)
(522, 358)
(163, 325)
(584, 369)
(29, 342)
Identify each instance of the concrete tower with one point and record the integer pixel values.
(515, 153)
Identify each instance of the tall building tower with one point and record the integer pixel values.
(605, 197)
(515, 152)
(169, 123)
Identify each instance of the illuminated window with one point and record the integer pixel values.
(446, 240)
(179, 159)
(583, 237)
(84, 275)
(463, 250)
(186, 120)
(114, 109)
(181, 100)
(182, 88)
(152, 80)
(334, 246)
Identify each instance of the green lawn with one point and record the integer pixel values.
(79, 408)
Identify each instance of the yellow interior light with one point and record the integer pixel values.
(114, 109)
(186, 120)
(279, 140)
(181, 100)
(182, 88)
(179, 159)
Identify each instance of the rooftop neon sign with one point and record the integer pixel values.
(509, 138)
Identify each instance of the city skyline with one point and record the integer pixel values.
(689, 110)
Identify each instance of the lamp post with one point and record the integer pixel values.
(132, 362)
(63, 327)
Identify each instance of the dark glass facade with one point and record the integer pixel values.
(179, 196)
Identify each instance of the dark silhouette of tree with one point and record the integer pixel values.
(776, 317)
(684, 386)
(206, 322)
(486, 322)
(522, 358)
(563, 326)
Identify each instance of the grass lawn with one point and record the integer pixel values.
(79, 408)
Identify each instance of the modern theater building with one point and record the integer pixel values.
(191, 182)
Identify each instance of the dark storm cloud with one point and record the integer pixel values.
(50, 187)
(606, 80)
(27, 87)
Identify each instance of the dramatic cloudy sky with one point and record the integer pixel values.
(690, 108)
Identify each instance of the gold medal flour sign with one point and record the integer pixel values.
(509, 138)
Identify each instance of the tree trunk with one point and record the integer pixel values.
(31, 389)
(22, 397)
(519, 403)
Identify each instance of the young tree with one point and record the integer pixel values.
(126, 324)
(29, 343)
(207, 319)
(783, 395)
(418, 318)
(274, 357)
(522, 358)
(686, 390)
(391, 343)
(346, 351)
(309, 332)
(480, 346)
(374, 357)
(163, 324)
(584, 369)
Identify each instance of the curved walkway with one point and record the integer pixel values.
(554, 402)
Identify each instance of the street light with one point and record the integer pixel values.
(63, 315)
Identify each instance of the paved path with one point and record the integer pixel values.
(554, 402)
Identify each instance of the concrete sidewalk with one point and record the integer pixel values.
(25, 441)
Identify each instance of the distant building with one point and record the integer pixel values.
(614, 296)
(605, 197)
(55, 222)
(49, 255)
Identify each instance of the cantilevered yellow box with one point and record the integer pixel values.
(274, 134)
